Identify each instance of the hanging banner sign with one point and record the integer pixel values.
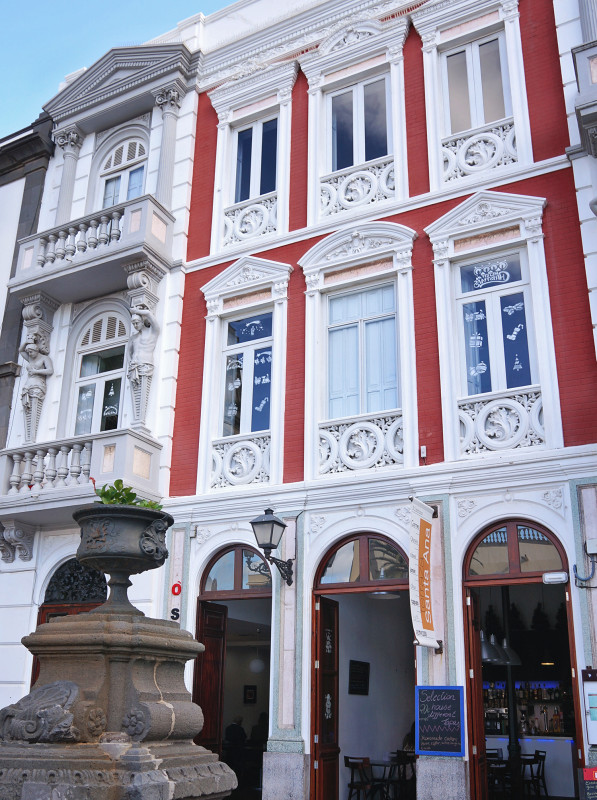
(419, 570)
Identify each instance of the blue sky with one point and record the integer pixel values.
(41, 42)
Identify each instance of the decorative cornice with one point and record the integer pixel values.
(273, 81)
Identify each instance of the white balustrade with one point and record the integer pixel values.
(365, 442)
(251, 219)
(510, 420)
(38, 468)
(481, 150)
(363, 185)
(75, 239)
(240, 460)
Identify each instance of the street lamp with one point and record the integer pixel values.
(268, 530)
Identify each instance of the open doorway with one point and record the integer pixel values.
(232, 677)
(523, 694)
(363, 660)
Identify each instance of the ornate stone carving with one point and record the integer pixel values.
(441, 250)
(74, 583)
(358, 186)
(69, 139)
(134, 723)
(352, 35)
(42, 716)
(98, 534)
(501, 423)
(142, 280)
(17, 538)
(553, 498)
(241, 461)
(202, 534)
(481, 151)
(533, 227)
(96, 722)
(317, 524)
(484, 212)
(465, 507)
(366, 443)
(35, 350)
(153, 541)
(246, 274)
(404, 515)
(168, 99)
(359, 243)
(251, 219)
(140, 351)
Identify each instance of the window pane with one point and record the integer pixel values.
(342, 135)
(232, 395)
(243, 165)
(502, 270)
(516, 345)
(251, 578)
(111, 192)
(269, 152)
(250, 329)
(491, 81)
(85, 409)
(491, 555)
(221, 575)
(106, 361)
(381, 364)
(476, 347)
(262, 379)
(537, 553)
(343, 372)
(376, 135)
(378, 301)
(343, 566)
(135, 187)
(386, 562)
(110, 405)
(344, 308)
(460, 112)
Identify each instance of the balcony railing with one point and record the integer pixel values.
(361, 185)
(38, 468)
(479, 151)
(240, 460)
(60, 256)
(251, 219)
(365, 442)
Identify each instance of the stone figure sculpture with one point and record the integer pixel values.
(141, 348)
(39, 365)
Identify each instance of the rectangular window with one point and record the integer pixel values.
(100, 381)
(359, 124)
(248, 375)
(111, 192)
(494, 324)
(362, 352)
(477, 85)
(135, 186)
(256, 160)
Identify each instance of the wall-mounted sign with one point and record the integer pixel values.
(419, 573)
(589, 775)
(358, 677)
(439, 720)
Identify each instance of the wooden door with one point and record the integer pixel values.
(208, 681)
(476, 719)
(324, 774)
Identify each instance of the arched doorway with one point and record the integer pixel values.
(232, 676)
(506, 596)
(363, 672)
(73, 589)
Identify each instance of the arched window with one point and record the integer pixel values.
(363, 561)
(237, 572)
(74, 583)
(516, 549)
(99, 371)
(122, 172)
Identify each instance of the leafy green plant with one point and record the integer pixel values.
(121, 495)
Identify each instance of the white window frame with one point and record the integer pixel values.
(256, 158)
(123, 171)
(491, 296)
(475, 91)
(361, 325)
(358, 120)
(246, 348)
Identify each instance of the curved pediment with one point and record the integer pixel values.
(370, 240)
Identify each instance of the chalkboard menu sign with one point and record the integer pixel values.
(589, 783)
(439, 720)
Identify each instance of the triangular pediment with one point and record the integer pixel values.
(483, 211)
(120, 73)
(246, 275)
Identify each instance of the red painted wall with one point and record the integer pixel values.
(298, 154)
(416, 123)
(547, 110)
(202, 190)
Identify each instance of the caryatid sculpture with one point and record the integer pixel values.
(140, 352)
(39, 365)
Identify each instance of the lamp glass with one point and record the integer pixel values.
(268, 530)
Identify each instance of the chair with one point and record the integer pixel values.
(362, 785)
(538, 779)
(494, 754)
(399, 785)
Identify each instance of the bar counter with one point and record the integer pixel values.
(559, 761)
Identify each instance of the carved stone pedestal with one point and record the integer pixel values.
(110, 717)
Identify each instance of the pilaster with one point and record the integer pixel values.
(69, 140)
(168, 99)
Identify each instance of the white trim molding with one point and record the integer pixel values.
(250, 285)
(487, 222)
(355, 257)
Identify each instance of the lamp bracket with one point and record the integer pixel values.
(284, 567)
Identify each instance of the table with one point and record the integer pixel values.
(393, 779)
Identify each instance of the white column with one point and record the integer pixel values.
(520, 108)
(588, 20)
(69, 140)
(408, 366)
(168, 99)
(433, 108)
(313, 379)
(398, 111)
(210, 397)
(316, 147)
(283, 166)
(222, 177)
(278, 386)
